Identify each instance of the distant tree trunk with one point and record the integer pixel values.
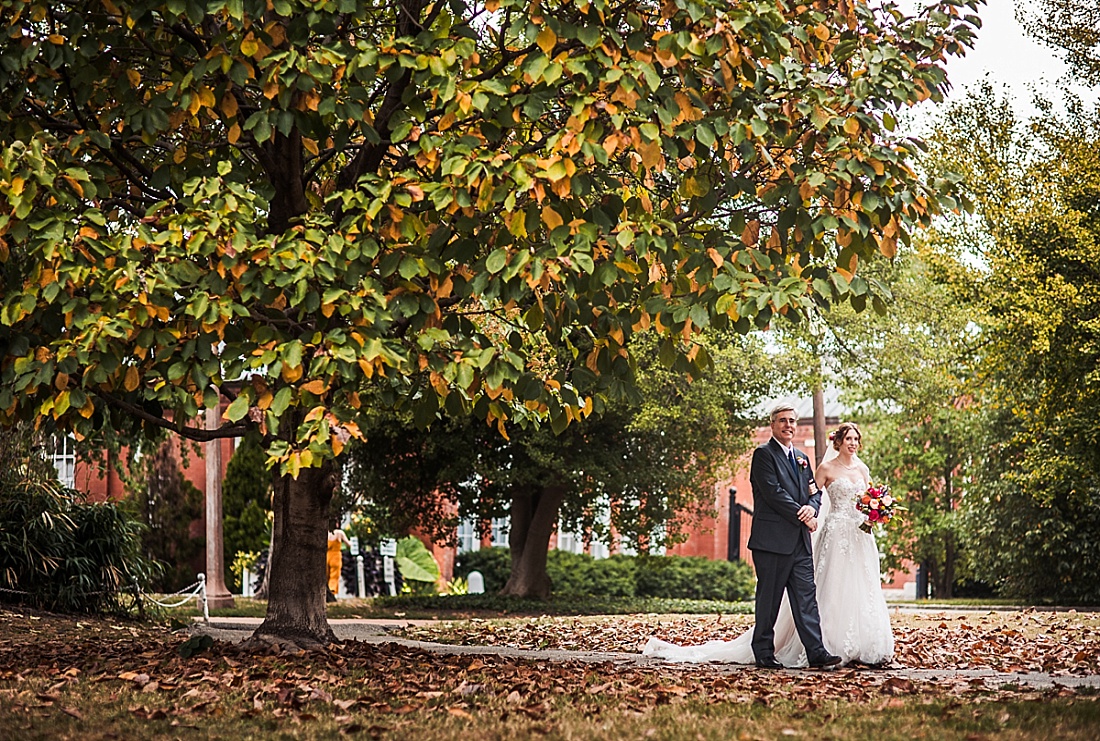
(534, 515)
(296, 589)
(949, 555)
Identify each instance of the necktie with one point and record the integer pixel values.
(794, 464)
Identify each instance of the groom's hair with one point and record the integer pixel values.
(780, 408)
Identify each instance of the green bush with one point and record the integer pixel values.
(693, 577)
(489, 604)
(572, 574)
(58, 552)
(493, 563)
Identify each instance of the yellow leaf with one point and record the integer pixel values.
(551, 218)
(491, 6)
(56, 38)
(715, 257)
(666, 58)
(310, 145)
(276, 32)
(229, 105)
(234, 133)
(315, 387)
(337, 445)
(265, 400)
(134, 77)
(133, 378)
(271, 88)
(888, 246)
(851, 126)
(206, 97)
(249, 46)
(290, 375)
(546, 40)
(822, 32)
(751, 233)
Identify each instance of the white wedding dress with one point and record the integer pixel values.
(855, 623)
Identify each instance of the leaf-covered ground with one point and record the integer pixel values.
(1065, 643)
(64, 678)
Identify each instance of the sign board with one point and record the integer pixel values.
(388, 547)
(387, 574)
(355, 545)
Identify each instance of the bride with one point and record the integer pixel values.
(855, 623)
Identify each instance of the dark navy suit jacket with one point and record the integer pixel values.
(777, 496)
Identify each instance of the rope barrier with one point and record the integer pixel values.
(196, 590)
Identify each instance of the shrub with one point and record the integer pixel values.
(572, 574)
(493, 563)
(693, 577)
(58, 552)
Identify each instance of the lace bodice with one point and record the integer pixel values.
(842, 494)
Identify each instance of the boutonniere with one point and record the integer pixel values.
(803, 463)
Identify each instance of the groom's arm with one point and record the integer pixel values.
(765, 485)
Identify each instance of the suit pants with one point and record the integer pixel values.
(794, 574)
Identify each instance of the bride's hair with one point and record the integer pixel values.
(841, 432)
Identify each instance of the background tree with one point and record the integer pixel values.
(908, 376)
(1033, 513)
(246, 500)
(167, 504)
(637, 472)
(1071, 26)
(333, 200)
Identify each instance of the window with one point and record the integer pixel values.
(570, 542)
(468, 539)
(500, 528)
(63, 458)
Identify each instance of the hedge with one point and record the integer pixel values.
(572, 574)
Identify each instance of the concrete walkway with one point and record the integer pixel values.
(233, 630)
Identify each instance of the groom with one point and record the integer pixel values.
(785, 515)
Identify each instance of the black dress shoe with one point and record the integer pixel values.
(770, 664)
(824, 660)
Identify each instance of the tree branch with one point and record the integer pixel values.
(237, 429)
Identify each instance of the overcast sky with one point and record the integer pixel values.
(1007, 54)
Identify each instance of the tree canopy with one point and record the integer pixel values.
(291, 203)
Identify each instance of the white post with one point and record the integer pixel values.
(246, 582)
(202, 596)
(361, 576)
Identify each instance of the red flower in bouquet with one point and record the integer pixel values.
(877, 505)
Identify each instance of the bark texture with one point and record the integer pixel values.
(296, 590)
(534, 515)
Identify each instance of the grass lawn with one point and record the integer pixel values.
(62, 677)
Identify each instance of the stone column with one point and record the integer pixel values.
(216, 593)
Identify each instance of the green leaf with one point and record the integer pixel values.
(415, 561)
(238, 409)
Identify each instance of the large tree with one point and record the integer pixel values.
(293, 204)
(1032, 514)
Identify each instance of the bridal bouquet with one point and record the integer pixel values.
(876, 504)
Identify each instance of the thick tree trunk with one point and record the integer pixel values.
(296, 590)
(534, 514)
